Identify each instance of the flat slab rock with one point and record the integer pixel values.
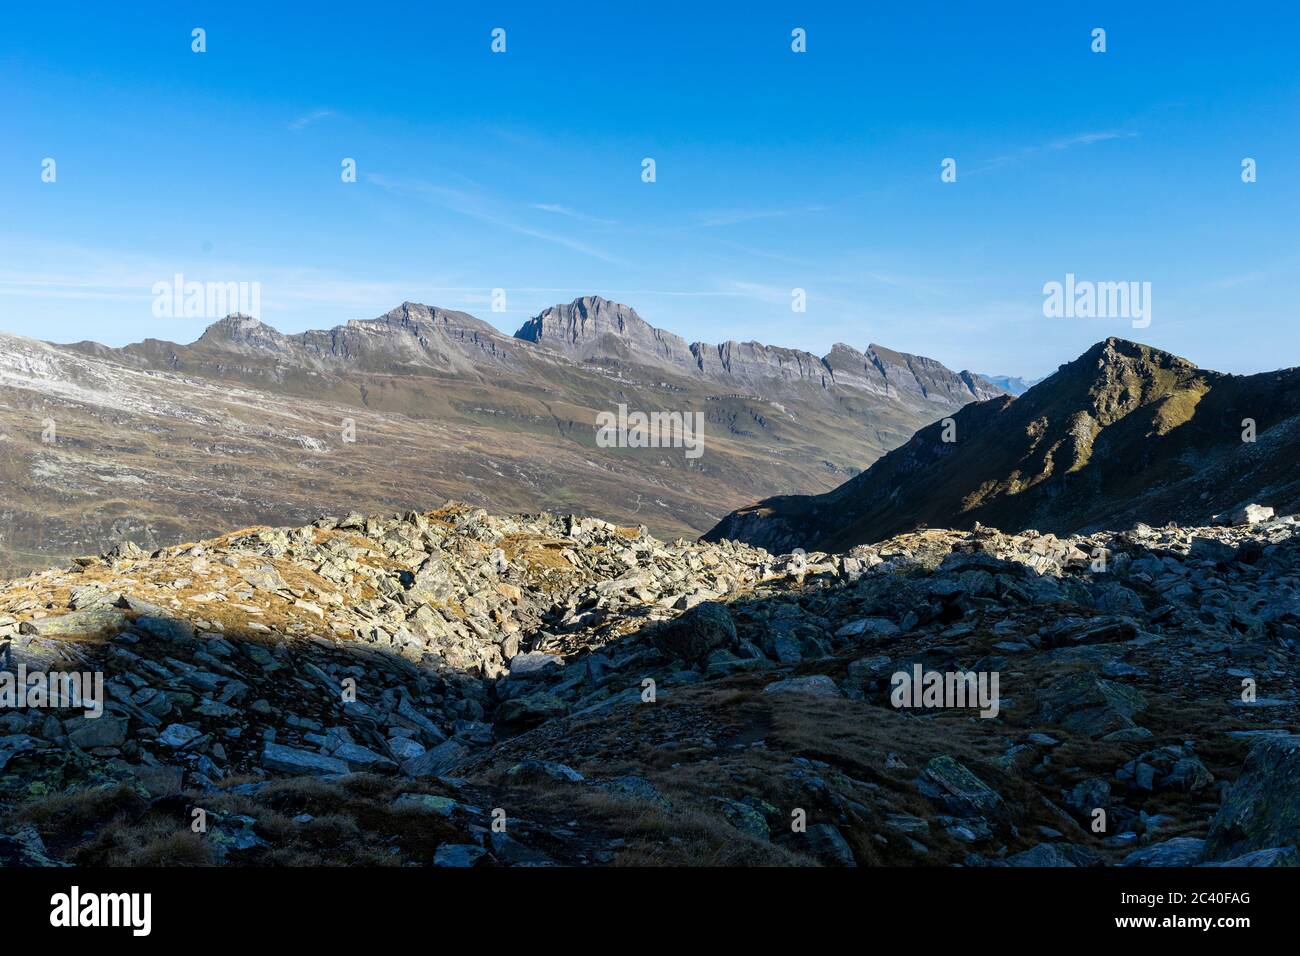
(816, 685)
(297, 762)
(433, 762)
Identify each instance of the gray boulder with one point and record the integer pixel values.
(25, 848)
(1044, 854)
(1245, 515)
(98, 732)
(699, 632)
(179, 735)
(435, 761)
(361, 758)
(534, 664)
(461, 855)
(960, 789)
(828, 845)
(15, 744)
(1273, 856)
(1179, 851)
(541, 770)
(815, 685)
(1090, 705)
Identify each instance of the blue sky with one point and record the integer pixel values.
(775, 170)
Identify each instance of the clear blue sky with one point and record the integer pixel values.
(775, 170)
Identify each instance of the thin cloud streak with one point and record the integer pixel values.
(302, 122)
(476, 207)
(559, 210)
(1056, 145)
(738, 216)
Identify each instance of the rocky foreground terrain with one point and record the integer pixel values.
(453, 689)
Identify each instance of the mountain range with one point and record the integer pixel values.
(161, 442)
(1125, 433)
(504, 661)
(1013, 384)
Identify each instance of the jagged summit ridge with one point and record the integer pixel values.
(589, 330)
(593, 328)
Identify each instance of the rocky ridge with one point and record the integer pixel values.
(1122, 434)
(382, 688)
(160, 442)
(593, 329)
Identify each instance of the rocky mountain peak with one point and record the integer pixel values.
(243, 333)
(1125, 432)
(1114, 351)
(906, 377)
(1116, 377)
(237, 326)
(1113, 359)
(416, 318)
(592, 328)
(584, 319)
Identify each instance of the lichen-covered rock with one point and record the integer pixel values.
(1262, 807)
(957, 786)
(25, 848)
(1090, 705)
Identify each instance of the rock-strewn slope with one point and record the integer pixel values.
(1122, 434)
(454, 688)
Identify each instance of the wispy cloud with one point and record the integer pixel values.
(758, 291)
(122, 284)
(302, 122)
(477, 206)
(559, 210)
(1087, 139)
(731, 217)
(1267, 272)
(1056, 145)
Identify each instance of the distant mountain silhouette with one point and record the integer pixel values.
(1012, 384)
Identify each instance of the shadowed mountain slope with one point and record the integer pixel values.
(1125, 433)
